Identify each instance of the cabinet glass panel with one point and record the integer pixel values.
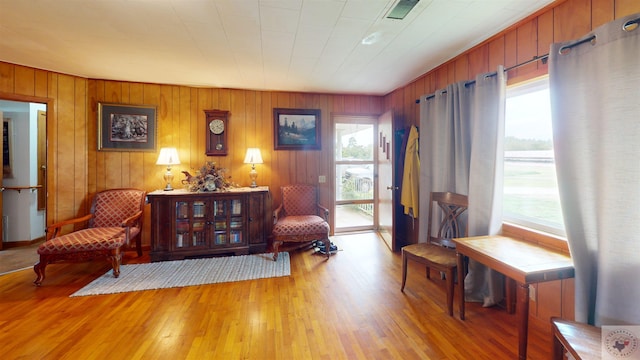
(199, 209)
(183, 225)
(235, 223)
(236, 207)
(220, 225)
(219, 207)
(236, 237)
(221, 237)
(190, 224)
(182, 210)
(198, 238)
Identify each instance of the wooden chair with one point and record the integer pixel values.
(582, 341)
(114, 220)
(436, 253)
(300, 218)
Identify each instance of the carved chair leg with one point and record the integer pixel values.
(276, 246)
(39, 269)
(327, 246)
(116, 259)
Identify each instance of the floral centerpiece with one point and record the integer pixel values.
(208, 178)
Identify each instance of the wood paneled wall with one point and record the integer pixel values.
(181, 124)
(79, 170)
(564, 21)
(66, 99)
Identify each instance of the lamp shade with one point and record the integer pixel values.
(168, 156)
(253, 156)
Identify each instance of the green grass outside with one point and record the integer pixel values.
(530, 190)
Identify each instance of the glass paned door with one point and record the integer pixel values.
(355, 173)
(190, 224)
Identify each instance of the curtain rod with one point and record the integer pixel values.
(628, 26)
(542, 58)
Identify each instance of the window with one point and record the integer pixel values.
(531, 196)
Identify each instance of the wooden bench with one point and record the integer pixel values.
(582, 341)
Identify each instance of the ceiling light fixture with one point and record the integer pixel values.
(401, 9)
(371, 38)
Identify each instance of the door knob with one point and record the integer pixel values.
(392, 188)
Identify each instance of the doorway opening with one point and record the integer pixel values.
(23, 180)
(356, 173)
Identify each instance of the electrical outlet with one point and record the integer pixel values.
(322, 179)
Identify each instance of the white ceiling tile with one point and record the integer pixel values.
(238, 9)
(294, 45)
(320, 13)
(310, 42)
(302, 65)
(196, 11)
(281, 20)
(283, 4)
(365, 9)
(277, 48)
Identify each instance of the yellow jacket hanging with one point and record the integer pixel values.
(409, 197)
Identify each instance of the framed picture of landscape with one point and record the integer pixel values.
(296, 129)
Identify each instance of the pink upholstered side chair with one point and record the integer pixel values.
(115, 219)
(300, 218)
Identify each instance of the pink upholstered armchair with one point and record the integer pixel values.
(115, 219)
(300, 218)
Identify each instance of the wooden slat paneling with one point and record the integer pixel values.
(71, 184)
(625, 7)
(25, 80)
(72, 115)
(82, 175)
(496, 53)
(527, 46)
(602, 12)
(567, 20)
(572, 19)
(7, 77)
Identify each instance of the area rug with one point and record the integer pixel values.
(168, 274)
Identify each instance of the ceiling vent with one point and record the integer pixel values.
(401, 9)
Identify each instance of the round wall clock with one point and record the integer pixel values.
(217, 130)
(216, 126)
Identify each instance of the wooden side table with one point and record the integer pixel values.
(521, 261)
(582, 341)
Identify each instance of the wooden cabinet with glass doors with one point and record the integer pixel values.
(190, 225)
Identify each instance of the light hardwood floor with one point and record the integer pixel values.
(349, 307)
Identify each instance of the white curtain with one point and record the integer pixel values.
(461, 150)
(595, 102)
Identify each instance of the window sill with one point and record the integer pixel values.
(551, 241)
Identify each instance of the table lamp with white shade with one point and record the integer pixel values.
(253, 157)
(168, 156)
